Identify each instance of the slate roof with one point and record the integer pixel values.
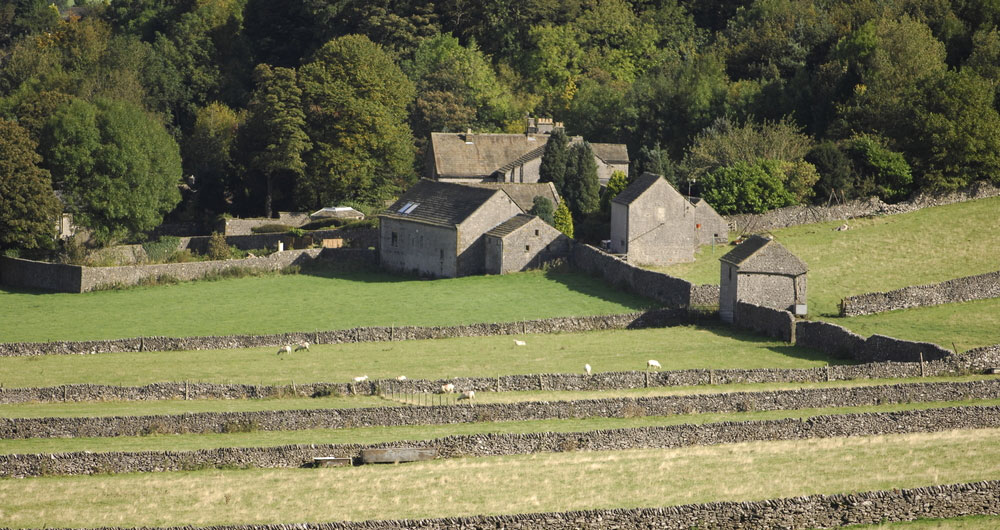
(511, 225)
(760, 254)
(611, 153)
(523, 194)
(440, 203)
(636, 188)
(487, 153)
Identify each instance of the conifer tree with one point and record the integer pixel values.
(553, 166)
(563, 219)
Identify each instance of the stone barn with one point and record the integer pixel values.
(761, 271)
(523, 242)
(653, 224)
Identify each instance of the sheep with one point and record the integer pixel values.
(361, 379)
(587, 368)
(448, 389)
(468, 394)
(520, 342)
(652, 364)
(287, 348)
(302, 345)
(401, 378)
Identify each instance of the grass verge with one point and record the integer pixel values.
(515, 484)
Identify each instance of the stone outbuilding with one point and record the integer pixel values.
(653, 224)
(523, 242)
(761, 271)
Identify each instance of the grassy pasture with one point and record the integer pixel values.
(304, 302)
(884, 253)
(530, 483)
(974, 522)
(366, 435)
(676, 348)
(149, 408)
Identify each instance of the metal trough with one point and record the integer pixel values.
(395, 455)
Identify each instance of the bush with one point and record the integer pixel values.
(747, 188)
(181, 256)
(271, 229)
(12, 253)
(217, 247)
(159, 251)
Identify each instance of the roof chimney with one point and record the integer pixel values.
(467, 136)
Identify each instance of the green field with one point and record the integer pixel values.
(514, 484)
(369, 435)
(305, 302)
(676, 348)
(884, 253)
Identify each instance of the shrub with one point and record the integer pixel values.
(161, 250)
(217, 247)
(747, 188)
(271, 229)
(543, 208)
(297, 232)
(181, 256)
(563, 220)
(12, 253)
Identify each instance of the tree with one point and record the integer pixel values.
(28, 206)
(542, 207)
(746, 188)
(879, 170)
(581, 188)
(725, 143)
(836, 176)
(616, 184)
(273, 140)
(553, 164)
(117, 167)
(356, 100)
(208, 152)
(563, 220)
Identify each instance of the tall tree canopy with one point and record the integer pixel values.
(28, 207)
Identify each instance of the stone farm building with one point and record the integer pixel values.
(439, 229)
(761, 271)
(491, 157)
(653, 224)
(523, 242)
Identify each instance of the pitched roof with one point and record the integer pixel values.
(440, 203)
(523, 194)
(611, 153)
(760, 254)
(455, 157)
(636, 188)
(510, 225)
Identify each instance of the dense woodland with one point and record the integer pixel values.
(137, 110)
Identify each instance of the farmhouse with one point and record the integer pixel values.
(653, 224)
(438, 229)
(523, 242)
(761, 271)
(490, 157)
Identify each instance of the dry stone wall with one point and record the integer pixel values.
(655, 318)
(813, 511)
(220, 422)
(841, 342)
(771, 322)
(964, 289)
(684, 435)
(28, 274)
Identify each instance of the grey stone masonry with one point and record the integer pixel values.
(684, 435)
(968, 288)
(220, 422)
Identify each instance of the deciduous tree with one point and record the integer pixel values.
(28, 207)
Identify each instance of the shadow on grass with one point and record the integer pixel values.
(789, 350)
(584, 283)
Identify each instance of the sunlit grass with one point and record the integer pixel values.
(515, 484)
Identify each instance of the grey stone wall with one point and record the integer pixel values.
(362, 238)
(798, 215)
(840, 342)
(243, 227)
(655, 318)
(528, 247)
(771, 322)
(28, 274)
(412, 247)
(812, 511)
(684, 435)
(979, 287)
(220, 422)
(471, 242)
(828, 338)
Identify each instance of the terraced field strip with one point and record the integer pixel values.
(180, 406)
(512, 484)
(690, 347)
(374, 435)
(269, 420)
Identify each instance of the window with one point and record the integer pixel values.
(395, 239)
(527, 248)
(536, 233)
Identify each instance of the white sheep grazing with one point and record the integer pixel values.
(401, 378)
(361, 379)
(587, 368)
(520, 342)
(652, 364)
(448, 389)
(287, 348)
(302, 345)
(468, 394)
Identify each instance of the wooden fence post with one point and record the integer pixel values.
(921, 364)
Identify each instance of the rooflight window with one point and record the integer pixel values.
(409, 207)
(405, 206)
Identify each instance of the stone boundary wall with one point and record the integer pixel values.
(831, 339)
(840, 342)
(28, 274)
(244, 226)
(648, 319)
(670, 291)
(771, 322)
(799, 215)
(362, 238)
(812, 511)
(502, 444)
(291, 420)
(966, 289)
